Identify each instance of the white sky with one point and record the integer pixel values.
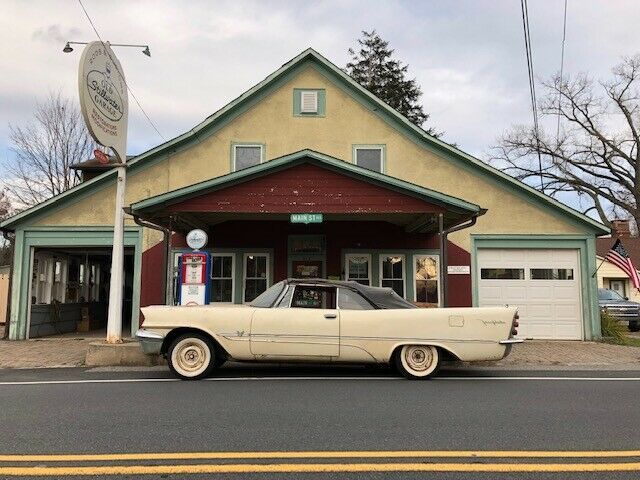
(468, 56)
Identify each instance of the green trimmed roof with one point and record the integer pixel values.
(368, 100)
(452, 204)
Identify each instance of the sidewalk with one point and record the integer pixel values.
(70, 352)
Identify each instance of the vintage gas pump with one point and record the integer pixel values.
(193, 268)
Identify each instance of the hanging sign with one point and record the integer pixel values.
(306, 218)
(103, 97)
(196, 239)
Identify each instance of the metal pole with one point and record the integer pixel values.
(443, 260)
(114, 319)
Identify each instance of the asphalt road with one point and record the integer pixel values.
(475, 424)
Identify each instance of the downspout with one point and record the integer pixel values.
(7, 321)
(443, 250)
(166, 232)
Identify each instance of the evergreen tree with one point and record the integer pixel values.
(374, 67)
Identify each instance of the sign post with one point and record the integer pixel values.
(104, 104)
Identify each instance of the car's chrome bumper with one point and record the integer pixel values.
(151, 342)
(511, 341)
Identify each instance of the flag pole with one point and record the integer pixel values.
(594, 273)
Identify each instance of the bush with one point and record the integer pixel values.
(612, 330)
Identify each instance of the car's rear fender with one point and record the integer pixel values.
(177, 332)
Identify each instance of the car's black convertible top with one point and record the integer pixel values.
(381, 297)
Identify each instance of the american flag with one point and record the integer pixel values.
(619, 257)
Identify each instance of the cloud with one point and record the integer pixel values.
(55, 33)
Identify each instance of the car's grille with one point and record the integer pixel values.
(622, 311)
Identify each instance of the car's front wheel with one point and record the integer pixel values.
(191, 356)
(634, 326)
(417, 362)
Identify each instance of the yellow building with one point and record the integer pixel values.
(385, 204)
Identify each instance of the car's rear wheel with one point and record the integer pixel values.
(634, 326)
(191, 356)
(417, 362)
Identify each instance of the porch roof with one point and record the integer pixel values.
(205, 203)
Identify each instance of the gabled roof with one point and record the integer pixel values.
(454, 205)
(377, 107)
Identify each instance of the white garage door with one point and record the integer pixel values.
(543, 284)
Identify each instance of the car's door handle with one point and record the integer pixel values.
(330, 315)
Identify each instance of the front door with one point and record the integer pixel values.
(309, 327)
(306, 268)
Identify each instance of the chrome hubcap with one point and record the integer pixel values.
(418, 358)
(191, 356)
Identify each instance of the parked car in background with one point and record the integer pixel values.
(323, 321)
(620, 308)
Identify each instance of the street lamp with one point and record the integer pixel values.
(68, 48)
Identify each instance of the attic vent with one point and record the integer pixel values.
(309, 101)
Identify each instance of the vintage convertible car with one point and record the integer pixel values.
(326, 321)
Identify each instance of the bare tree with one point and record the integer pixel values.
(44, 150)
(596, 152)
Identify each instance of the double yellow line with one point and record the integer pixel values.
(413, 466)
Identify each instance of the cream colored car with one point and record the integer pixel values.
(325, 321)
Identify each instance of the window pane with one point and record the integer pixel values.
(551, 274)
(358, 269)
(246, 156)
(502, 273)
(256, 266)
(227, 263)
(314, 297)
(426, 268)
(222, 290)
(370, 158)
(427, 291)
(350, 300)
(253, 288)
(216, 269)
(396, 285)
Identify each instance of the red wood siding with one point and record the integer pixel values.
(152, 281)
(305, 189)
(459, 286)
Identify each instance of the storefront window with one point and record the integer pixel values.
(222, 278)
(358, 268)
(392, 273)
(255, 275)
(426, 277)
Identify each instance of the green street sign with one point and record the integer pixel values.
(306, 218)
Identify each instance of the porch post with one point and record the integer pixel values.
(442, 237)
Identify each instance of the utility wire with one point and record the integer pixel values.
(532, 85)
(122, 74)
(564, 36)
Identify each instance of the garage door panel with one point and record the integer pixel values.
(549, 308)
(540, 292)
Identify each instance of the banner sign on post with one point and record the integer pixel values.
(103, 97)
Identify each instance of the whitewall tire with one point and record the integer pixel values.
(191, 356)
(417, 362)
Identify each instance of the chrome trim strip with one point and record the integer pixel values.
(511, 341)
(147, 335)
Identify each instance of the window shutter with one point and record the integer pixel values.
(309, 102)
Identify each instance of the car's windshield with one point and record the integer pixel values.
(270, 295)
(604, 294)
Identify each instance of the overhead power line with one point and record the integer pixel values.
(564, 36)
(122, 75)
(532, 85)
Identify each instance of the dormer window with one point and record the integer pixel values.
(309, 102)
